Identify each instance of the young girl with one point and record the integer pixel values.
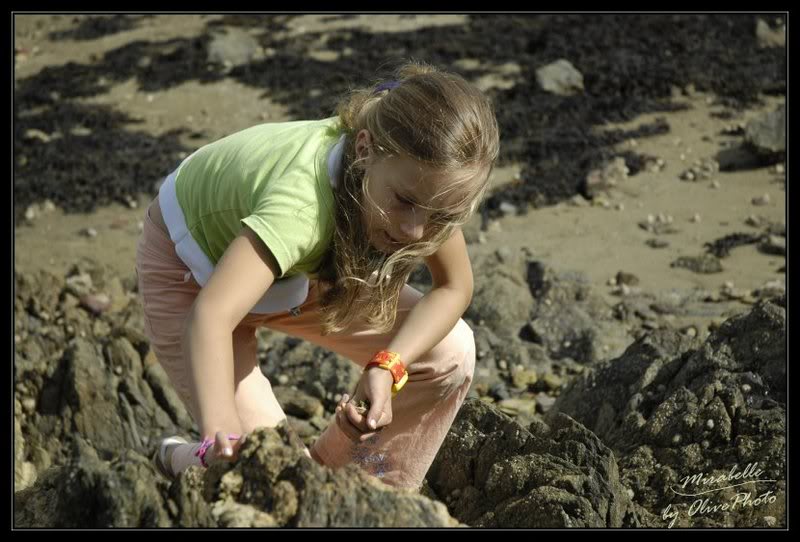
(312, 228)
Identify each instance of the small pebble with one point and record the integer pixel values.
(761, 200)
(651, 219)
(779, 169)
(705, 444)
(620, 207)
(710, 424)
(746, 388)
(690, 332)
(695, 218)
(89, 232)
(502, 364)
(29, 404)
(283, 380)
(676, 439)
(714, 184)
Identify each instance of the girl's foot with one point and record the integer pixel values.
(163, 456)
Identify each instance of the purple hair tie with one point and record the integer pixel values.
(388, 85)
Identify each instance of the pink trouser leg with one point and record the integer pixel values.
(423, 411)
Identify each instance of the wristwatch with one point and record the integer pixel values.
(391, 362)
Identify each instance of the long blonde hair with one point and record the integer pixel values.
(443, 122)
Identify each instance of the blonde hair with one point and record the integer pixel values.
(443, 122)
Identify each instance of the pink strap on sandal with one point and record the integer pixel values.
(207, 443)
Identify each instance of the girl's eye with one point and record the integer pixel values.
(402, 200)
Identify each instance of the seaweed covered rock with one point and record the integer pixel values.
(273, 484)
(493, 472)
(674, 409)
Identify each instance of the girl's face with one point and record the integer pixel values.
(397, 185)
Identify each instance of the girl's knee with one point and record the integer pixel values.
(454, 357)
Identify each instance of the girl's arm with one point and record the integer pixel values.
(241, 277)
(435, 315)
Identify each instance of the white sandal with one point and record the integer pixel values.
(162, 458)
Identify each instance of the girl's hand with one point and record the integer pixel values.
(224, 448)
(374, 389)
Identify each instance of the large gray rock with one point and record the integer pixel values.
(767, 134)
(569, 320)
(233, 47)
(501, 299)
(560, 77)
(493, 472)
(316, 371)
(672, 408)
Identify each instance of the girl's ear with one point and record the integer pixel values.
(363, 144)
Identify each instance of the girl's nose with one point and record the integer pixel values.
(412, 226)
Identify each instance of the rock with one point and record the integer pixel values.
(233, 48)
(705, 263)
(97, 304)
(80, 285)
(297, 403)
(301, 493)
(657, 243)
(773, 244)
(761, 200)
(667, 384)
(544, 402)
(501, 296)
(31, 213)
(524, 378)
(272, 484)
(92, 493)
(39, 135)
(627, 278)
(560, 77)
(315, 371)
(553, 475)
(767, 37)
(508, 209)
(607, 176)
(659, 227)
(166, 396)
(703, 169)
(569, 320)
(772, 288)
(525, 408)
(767, 134)
(499, 391)
(552, 382)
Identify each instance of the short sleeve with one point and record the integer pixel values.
(286, 221)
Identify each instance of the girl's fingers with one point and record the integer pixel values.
(350, 432)
(222, 447)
